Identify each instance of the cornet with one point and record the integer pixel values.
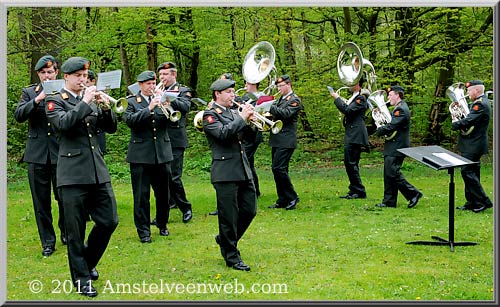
(263, 123)
(117, 105)
(167, 110)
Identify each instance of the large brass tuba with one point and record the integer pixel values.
(459, 108)
(351, 66)
(259, 64)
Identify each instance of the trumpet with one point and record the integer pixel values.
(167, 110)
(117, 105)
(263, 123)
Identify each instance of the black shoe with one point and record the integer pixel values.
(216, 212)
(217, 239)
(153, 222)
(94, 275)
(414, 201)
(48, 250)
(164, 232)
(466, 206)
(146, 239)
(276, 206)
(241, 266)
(187, 216)
(482, 208)
(382, 205)
(293, 204)
(173, 206)
(64, 241)
(88, 290)
(353, 196)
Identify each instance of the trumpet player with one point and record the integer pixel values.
(230, 173)
(83, 178)
(149, 154)
(283, 144)
(167, 73)
(473, 145)
(355, 136)
(41, 155)
(394, 181)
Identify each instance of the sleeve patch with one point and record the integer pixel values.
(396, 113)
(475, 107)
(209, 119)
(358, 101)
(294, 104)
(50, 106)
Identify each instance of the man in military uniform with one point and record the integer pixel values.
(101, 135)
(230, 174)
(82, 175)
(149, 154)
(41, 154)
(167, 73)
(473, 145)
(283, 144)
(394, 181)
(251, 145)
(355, 137)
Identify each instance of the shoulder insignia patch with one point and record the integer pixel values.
(37, 88)
(294, 104)
(188, 94)
(50, 106)
(358, 101)
(288, 98)
(139, 99)
(218, 110)
(475, 107)
(396, 113)
(64, 96)
(176, 88)
(209, 119)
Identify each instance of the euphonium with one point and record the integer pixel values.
(380, 113)
(458, 107)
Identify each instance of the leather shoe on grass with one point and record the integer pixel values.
(187, 216)
(48, 250)
(240, 266)
(216, 212)
(94, 275)
(88, 290)
(293, 204)
(164, 232)
(146, 239)
(353, 196)
(414, 201)
(276, 206)
(382, 205)
(481, 208)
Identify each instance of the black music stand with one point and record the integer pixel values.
(439, 158)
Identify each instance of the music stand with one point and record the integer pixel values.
(439, 158)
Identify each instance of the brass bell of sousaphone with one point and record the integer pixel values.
(351, 66)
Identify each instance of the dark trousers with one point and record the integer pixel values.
(177, 192)
(284, 187)
(250, 149)
(98, 200)
(352, 155)
(42, 179)
(144, 177)
(471, 174)
(394, 181)
(237, 206)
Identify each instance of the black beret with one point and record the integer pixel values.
(91, 75)
(222, 84)
(45, 62)
(166, 65)
(226, 76)
(74, 64)
(283, 78)
(396, 88)
(146, 76)
(473, 82)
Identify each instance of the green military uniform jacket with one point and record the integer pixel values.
(177, 130)
(287, 110)
(80, 158)
(354, 120)
(400, 122)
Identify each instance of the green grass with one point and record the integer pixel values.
(329, 249)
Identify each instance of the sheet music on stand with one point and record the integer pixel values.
(134, 88)
(52, 86)
(109, 80)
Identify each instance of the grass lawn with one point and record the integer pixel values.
(329, 249)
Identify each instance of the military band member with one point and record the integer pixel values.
(283, 144)
(149, 154)
(355, 137)
(394, 181)
(167, 73)
(41, 154)
(101, 136)
(473, 145)
(82, 175)
(230, 174)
